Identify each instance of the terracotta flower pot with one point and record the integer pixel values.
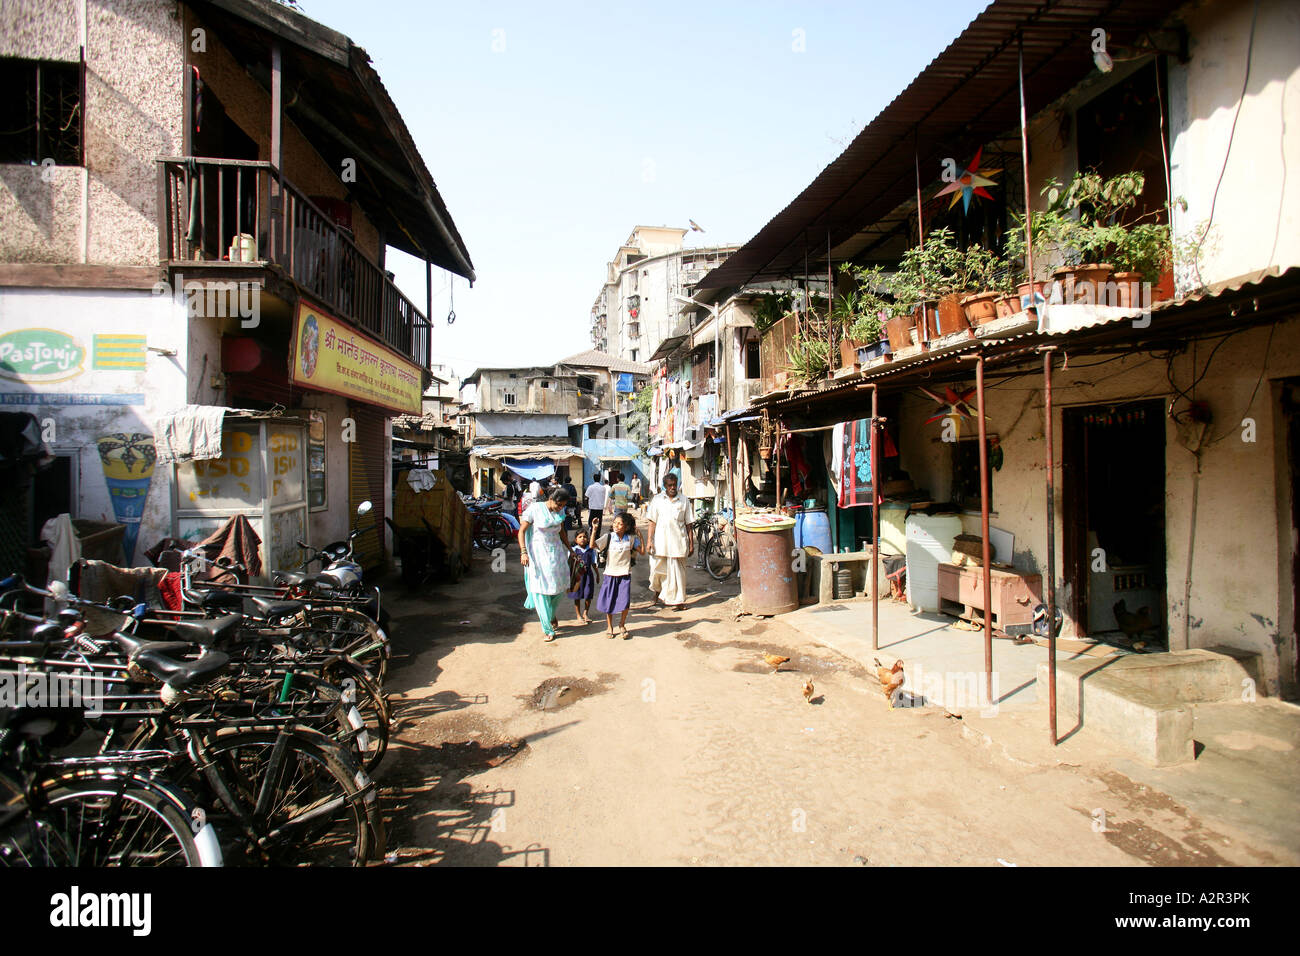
(952, 318)
(848, 352)
(1083, 284)
(1127, 288)
(981, 307)
(897, 329)
(927, 323)
(1007, 306)
(1038, 293)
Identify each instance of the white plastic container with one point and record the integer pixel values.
(929, 543)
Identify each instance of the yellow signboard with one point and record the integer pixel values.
(332, 356)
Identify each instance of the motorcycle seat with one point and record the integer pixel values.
(272, 609)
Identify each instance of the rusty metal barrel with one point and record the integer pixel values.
(765, 542)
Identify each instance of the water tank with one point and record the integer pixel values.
(813, 529)
(893, 535)
(929, 543)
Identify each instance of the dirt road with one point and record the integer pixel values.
(681, 746)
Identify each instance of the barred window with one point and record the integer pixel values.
(41, 113)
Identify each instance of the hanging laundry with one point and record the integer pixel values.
(799, 469)
(855, 464)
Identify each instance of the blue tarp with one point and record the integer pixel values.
(624, 382)
(532, 469)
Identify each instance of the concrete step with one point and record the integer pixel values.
(1144, 702)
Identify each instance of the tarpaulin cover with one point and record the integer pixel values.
(531, 469)
(625, 382)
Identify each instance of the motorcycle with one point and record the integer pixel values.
(339, 572)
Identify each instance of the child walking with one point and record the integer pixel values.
(582, 576)
(616, 589)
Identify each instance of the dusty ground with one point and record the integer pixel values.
(680, 746)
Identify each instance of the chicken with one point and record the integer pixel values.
(808, 690)
(1133, 625)
(891, 679)
(774, 661)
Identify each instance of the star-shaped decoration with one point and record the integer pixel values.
(969, 183)
(952, 405)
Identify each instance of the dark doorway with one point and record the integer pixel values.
(229, 194)
(1113, 490)
(1291, 415)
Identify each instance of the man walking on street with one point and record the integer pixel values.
(671, 540)
(595, 505)
(636, 490)
(619, 496)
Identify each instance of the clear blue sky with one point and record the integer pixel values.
(596, 117)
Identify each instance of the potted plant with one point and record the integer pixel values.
(860, 315)
(809, 356)
(933, 278)
(980, 268)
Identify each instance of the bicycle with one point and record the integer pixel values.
(715, 543)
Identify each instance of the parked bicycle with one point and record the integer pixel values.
(715, 544)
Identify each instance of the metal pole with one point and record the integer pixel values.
(776, 459)
(875, 519)
(984, 531)
(1051, 539)
(1024, 162)
(731, 474)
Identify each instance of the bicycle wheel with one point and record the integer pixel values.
(502, 533)
(721, 557)
(351, 632)
(105, 821)
(300, 793)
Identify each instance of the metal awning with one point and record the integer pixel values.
(965, 98)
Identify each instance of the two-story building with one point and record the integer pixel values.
(522, 419)
(1168, 433)
(198, 198)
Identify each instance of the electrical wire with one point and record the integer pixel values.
(1245, 83)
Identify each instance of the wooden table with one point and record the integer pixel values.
(1014, 595)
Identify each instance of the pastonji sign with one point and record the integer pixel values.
(37, 356)
(332, 356)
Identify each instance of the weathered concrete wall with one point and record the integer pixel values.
(507, 425)
(1241, 571)
(91, 401)
(1257, 212)
(132, 116)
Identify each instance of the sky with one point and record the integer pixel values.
(552, 129)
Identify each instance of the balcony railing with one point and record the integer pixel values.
(205, 204)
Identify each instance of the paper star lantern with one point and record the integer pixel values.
(970, 182)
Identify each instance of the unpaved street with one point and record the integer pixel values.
(680, 746)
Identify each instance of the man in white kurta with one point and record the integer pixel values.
(671, 541)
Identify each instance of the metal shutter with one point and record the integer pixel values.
(366, 481)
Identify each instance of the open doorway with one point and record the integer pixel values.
(1113, 485)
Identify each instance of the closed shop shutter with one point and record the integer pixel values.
(366, 482)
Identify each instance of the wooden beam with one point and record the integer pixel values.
(44, 275)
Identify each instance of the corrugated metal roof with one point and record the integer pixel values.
(968, 95)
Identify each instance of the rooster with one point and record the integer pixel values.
(774, 661)
(1133, 625)
(891, 679)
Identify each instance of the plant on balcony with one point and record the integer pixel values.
(933, 278)
(770, 308)
(809, 354)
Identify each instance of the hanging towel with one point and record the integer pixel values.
(192, 433)
(65, 546)
(855, 464)
(237, 541)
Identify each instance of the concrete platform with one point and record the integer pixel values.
(943, 665)
(1145, 702)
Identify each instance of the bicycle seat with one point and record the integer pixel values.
(132, 646)
(296, 579)
(221, 601)
(207, 631)
(271, 609)
(181, 674)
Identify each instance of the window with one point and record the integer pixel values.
(40, 114)
(507, 398)
(966, 472)
(586, 383)
(634, 355)
(514, 374)
(751, 361)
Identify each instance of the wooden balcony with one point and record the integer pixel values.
(205, 204)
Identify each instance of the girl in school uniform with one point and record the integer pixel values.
(582, 576)
(616, 589)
